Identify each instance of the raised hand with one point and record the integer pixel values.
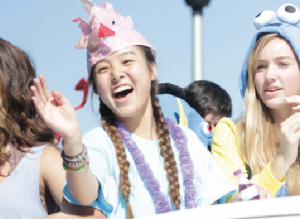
(289, 141)
(56, 111)
(294, 101)
(290, 132)
(289, 138)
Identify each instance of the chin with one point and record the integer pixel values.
(124, 112)
(276, 104)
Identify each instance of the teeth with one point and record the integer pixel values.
(272, 89)
(122, 88)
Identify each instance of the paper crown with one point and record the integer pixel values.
(106, 33)
(286, 22)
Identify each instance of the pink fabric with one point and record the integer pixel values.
(106, 32)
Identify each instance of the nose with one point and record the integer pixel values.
(271, 73)
(117, 74)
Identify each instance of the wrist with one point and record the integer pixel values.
(279, 167)
(72, 144)
(76, 163)
(283, 160)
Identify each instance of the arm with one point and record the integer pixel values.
(288, 148)
(59, 114)
(53, 176)
(289, 141)
(225, 151)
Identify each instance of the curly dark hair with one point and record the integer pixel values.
(20, 124)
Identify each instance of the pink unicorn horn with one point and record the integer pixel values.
(88, 5)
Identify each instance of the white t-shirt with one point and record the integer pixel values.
(209, 180)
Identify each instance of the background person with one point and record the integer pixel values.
(205, 98)
(210, 100)
(173, 105)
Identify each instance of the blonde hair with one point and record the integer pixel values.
(258, 134)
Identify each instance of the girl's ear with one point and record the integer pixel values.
(153, 71)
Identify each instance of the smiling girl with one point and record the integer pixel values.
(138, 163)
(265, 141)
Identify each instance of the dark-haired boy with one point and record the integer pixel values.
(210, 100)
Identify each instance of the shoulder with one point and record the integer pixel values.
(99, 143)
(50, 159)
(224, 136)
(49, 153)
(51, 165)
(97, 137)
(95, 133)
(224, 125)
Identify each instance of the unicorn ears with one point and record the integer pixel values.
(129, 21)
(108, 6)
(88, 5)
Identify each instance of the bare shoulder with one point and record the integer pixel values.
(52, 174)
(50, 153)
(51, 161)
(50, 150)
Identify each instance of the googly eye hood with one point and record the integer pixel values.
(285, 22)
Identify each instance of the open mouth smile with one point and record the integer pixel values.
(122, 93)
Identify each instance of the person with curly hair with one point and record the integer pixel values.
(31, 175)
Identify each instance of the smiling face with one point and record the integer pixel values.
(123, 82)
(277, 75)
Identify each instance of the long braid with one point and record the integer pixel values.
(108, 124)
(165, 148)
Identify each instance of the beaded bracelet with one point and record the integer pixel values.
(74, 161)
(75, 171)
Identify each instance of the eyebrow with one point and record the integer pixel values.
(278, 57)
(283, 57)
(126, 53)
(122, 54)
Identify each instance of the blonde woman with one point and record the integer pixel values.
(264, 142)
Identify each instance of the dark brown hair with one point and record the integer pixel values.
(108, 123)
(207, 97)
(20, 123)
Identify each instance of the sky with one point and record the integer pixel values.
(44, 29)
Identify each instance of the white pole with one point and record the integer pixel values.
(197, 12)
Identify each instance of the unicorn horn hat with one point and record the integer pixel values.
(106, 33)
(286, 22)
